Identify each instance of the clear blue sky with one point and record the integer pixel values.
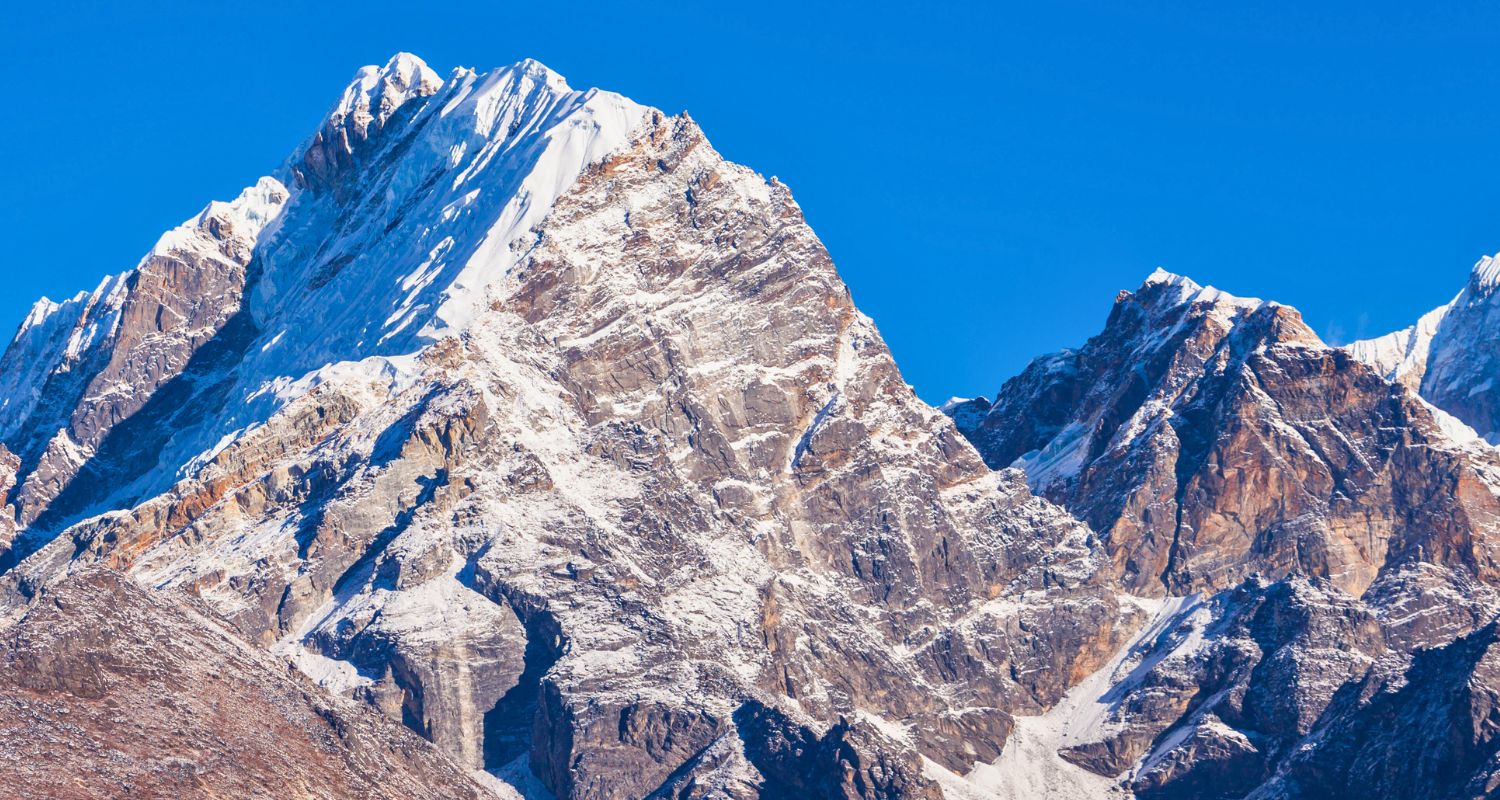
(986, 177)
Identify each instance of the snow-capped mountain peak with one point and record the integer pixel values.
(403, 233)
(1167, 289)
(1484, 278)
(1161, 276)
(1449, 356)
(377, 92)
(384, 232)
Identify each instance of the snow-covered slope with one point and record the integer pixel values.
(1401, 356)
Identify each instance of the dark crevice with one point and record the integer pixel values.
(508, 727)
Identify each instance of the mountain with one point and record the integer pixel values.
(1208, 436)
(518, 414)
(507, 439)
(1325, 535)
(1452, 354)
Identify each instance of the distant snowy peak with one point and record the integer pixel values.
(1401, 356)
(1464, 361)
(1451, 356)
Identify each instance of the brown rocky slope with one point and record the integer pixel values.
(113, 690)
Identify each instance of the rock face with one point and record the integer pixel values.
(112, 690)
(1296, 689)
(1430, 735)
(76, 370)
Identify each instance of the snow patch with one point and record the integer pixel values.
(1029, 766)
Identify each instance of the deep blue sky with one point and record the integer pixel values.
(986, 177)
